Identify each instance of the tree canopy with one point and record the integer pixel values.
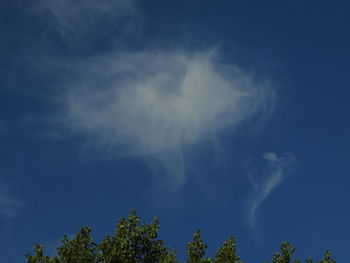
(134, 242)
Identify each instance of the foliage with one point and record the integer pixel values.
(196, 249)
(134, 242)
(227, 253)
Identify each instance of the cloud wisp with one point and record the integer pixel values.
(72, 19)
(279, 167)
(153, 103)
(9, 204)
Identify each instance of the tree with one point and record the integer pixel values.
(134, 242)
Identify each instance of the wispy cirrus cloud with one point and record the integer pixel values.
(9, 203)
(74, 19)
(155, 103)
(278, 169)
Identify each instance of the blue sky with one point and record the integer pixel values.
(231, 117)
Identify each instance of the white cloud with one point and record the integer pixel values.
(150, 102)
(154, 103)
(278, 169)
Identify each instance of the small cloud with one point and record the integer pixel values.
(152, 103)
(279, 167)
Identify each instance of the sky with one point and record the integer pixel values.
(228, 116)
